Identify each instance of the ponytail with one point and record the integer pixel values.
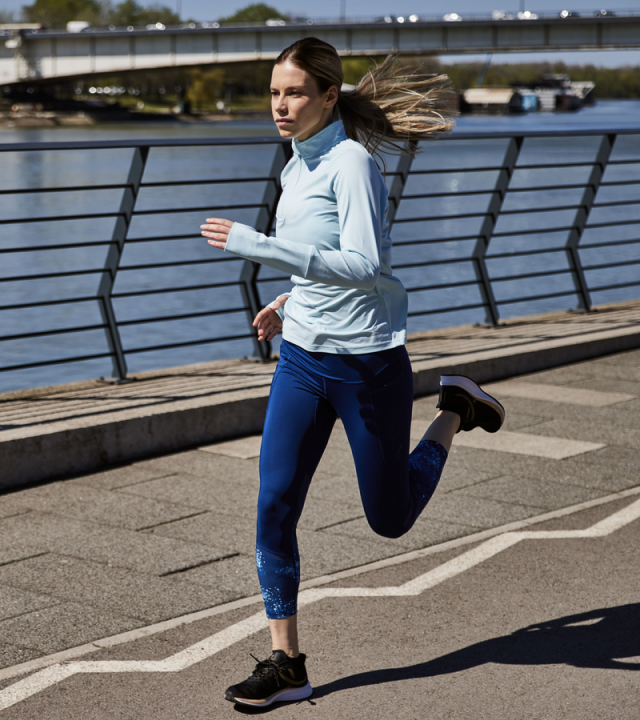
(390, 109)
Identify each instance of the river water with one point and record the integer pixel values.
(47, 169)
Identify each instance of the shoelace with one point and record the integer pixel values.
(264, 667)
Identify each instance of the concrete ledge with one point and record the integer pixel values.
(92, 426)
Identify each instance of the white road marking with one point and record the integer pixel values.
(557, 393)
(525, 444)
(208, 647)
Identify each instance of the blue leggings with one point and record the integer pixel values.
(373, 396)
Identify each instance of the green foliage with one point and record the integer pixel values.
(130, 12)
(356, 68)
(258, 13)
(57, 13)
(204, 86)
(7, 17)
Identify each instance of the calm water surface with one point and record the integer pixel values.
(51, 169)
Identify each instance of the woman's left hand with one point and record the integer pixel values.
(217, 229)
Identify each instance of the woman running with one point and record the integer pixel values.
(344, 328)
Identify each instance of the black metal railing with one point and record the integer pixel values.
(470, 238)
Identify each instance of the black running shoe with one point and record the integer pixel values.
(277, 679)
(475, 408)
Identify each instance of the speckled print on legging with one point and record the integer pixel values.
(372, 395)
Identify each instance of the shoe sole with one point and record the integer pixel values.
(476, 392)
(286, 695)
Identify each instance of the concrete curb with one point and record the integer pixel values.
(69, 447)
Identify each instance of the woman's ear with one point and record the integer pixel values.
(332, 96)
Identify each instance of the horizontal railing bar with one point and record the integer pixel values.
(202, 209)
(440, 171)
(62, 246)
(59, 361)
(186, 316)
(615, 203)
(526, 276)
(529, 298)
(404, 266)
(433, 241)
(58, 331)
(188, 343)
(539, 210)
(539, 231)
(280, 278)
(522, 253)
(601, 288)
(612, 243)
(615, 183)
(46, 303)
(64, 188)
(441, 286)
(43, 276)
(606, 266)
(199, 142)
(613, 223)
(60, 218)
(218, 181)
(176, 263)
(441, 217)
(159, 291)
(632, 161)
(415, 313)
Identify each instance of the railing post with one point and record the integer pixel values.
(400, 180)
(488, 227)
(112, 262)
(264, 224)
(580, 221)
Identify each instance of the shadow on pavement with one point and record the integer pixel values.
(595, 639)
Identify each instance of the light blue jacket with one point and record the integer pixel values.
(332, 235)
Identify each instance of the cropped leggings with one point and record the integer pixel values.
(373, 395)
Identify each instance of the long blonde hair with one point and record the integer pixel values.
(390, 105)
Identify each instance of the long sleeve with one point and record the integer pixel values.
(358, 189)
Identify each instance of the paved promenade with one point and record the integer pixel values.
(141, 561)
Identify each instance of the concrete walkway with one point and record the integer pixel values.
(95, 560)
(59, 431)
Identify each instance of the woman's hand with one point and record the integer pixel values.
(217, 229)
(268, 321)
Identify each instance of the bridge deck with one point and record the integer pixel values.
(61, 54)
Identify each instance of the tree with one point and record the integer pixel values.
(130, 12)
(57, 13)
(6, 17)
(258, 13)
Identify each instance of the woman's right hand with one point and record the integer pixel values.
(268, 321)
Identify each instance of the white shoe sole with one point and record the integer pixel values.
(283, 696)
(476, 392)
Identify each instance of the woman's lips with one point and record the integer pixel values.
(283, 121)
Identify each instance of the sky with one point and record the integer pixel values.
(208, 10)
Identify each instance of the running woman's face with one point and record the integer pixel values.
(299, 109)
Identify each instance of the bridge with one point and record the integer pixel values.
(50, 55)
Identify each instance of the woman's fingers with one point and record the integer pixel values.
(268, 323)
(217, 230)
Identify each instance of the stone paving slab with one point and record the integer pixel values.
(154, 539)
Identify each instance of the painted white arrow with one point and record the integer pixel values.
(204, 649)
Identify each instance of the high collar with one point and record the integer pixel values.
(317, 145)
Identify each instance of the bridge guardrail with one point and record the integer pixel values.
(470, 240)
